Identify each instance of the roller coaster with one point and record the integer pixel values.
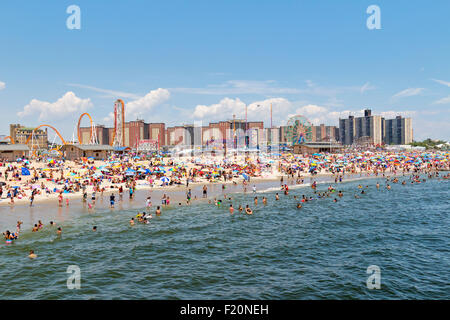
(118, 138)
(8, 137)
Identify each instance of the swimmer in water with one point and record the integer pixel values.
(94, 228)
(248, 210)
(264, 200)
(277, 197)
(231, 209)
(256, 201)
(299, 205)
(59, 231)
(35, 228)
(32, 255)
(132, 221)
(158, 211)
(19, 224)
(335, 200)
(240, 208)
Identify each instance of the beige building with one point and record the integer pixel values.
(20, 134)
(11, 152)
(77, 151)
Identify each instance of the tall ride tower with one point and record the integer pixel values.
(119, 124)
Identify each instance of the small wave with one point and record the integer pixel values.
(272, 189)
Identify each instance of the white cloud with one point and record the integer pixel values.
(258, 110)
(108, 93)
(141, 106)
(367, 86)
(393, 114)
(69, 103)
(445, 100)
(445, 83)
(408, 92)
(2, 85)
(234, 87)
(109, 118)
(321, 115)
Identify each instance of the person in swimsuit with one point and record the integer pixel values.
(231, 209)
(32, 255)
(158, 211)
(132, 221)
(59, 231)
(19, 224)
(35, 228)
(112, 199)
(248, 210)
(8, 237)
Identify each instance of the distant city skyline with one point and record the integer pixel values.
(182, 62)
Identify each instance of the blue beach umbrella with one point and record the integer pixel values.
(164, 179)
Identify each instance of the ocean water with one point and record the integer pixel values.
(321, 251)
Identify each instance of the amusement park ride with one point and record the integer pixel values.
(299, 130)
(118, 139)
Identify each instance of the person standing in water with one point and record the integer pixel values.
(112, 199)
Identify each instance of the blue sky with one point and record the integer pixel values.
(186, 61)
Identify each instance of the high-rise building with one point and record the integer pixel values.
(398, 130)
(324, 133)
(347, 130)
(366, 129)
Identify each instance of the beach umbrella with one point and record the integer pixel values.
(165, 179)
(245, 176)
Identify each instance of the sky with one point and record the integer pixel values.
(184, 62)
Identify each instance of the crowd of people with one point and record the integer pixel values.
(114, 175)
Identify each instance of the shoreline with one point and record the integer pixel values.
(52, 212)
